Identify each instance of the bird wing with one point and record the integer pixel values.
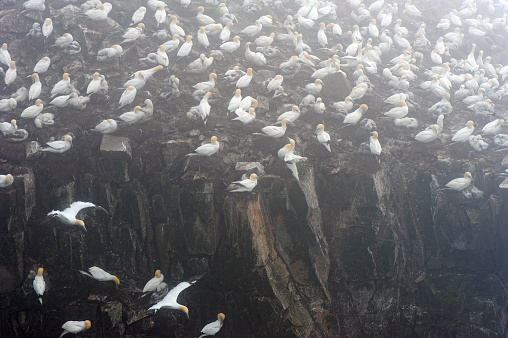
(76, 207)
(173, 294)
(57, 144)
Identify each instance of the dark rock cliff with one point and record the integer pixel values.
(360, 247)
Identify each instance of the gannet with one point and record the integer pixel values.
(174, 28)
(128, 96)
(185, 48)
(375, 146)
(6, 180)
(319, 107)
(264, 41)
(63, 86)
(225, 34)
(35, 88)
(5, 57)
(493, 127)
(275, 83)
(75, 327)
(245, 80)
(132, 116)
(202, 18)
(232, 75)
(204, 107)
(8, 128)
(39, 284)
(6, 105)
(359, 91)
(460, 183)
(138, 15)
(153, 283)
(172, 44)
(78, 102)
(46, 119)
(98, 13)
(399, 111)
(114, 51)
(245, 185)
(207, 149)
(132, 33)
(60, 147)
(212, 328)
(65, 40)
(252, 30)
(42, 65)
(170, 300)
(323, 137)
(60, 101)
(274, 131)
(100, 275)
(160, 14)
(94, 85)
(291, 115)
(344, 106)
(314, 88)
(147, 111)
(159, 57)
(231, 46)
(428, 135)
(256, 58)
(244, 117)
(248, 102)
(463, 134)
(11, 73)
(207, 85)
(234, 103)
(33, 111)
(354, 117)
(68, 215)
(477, 143)
(138, 81)
(106, 126)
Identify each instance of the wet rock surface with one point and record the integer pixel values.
(360, 247)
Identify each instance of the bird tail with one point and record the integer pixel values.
(85, 273)
(259, 134)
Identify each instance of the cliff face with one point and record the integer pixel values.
(363, 250)
(361, 246)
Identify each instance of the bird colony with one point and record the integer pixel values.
(261, 68)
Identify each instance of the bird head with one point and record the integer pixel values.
(435, 127)
(318, 81)
(238, 92)
(255, 103)
(295, 108)
(39, 272)
(13, 121)
(364, 107)
(213, 139)
(81, 223)
(468, 175)
(285, 121)
(249, 71)
(35, 76)
(188, 38)
(201, 9)
(162, 48)
(138, 109)
(400, 103)
(141, 25)
(38, 102)
(158, 273)
(109, 120)
(65, 76)
(88, 324)
(8, 178)
(322, 25)
(500, 121)
(96, 75)
(251, 111)
(221, 316)
(159, 67)
(100, 6)
(291, 142)
(117, 281)
(160, 7)
(184, 309)
(48, 21)
(230, 24)
(320, 127)
(470, 123)
(13, 65)
(375, 134)
(207, 95)
(253, 177)
(131, 87)
(213, 76)
(247, 44)
(202, 30)
(236, 38)
(68, 138)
